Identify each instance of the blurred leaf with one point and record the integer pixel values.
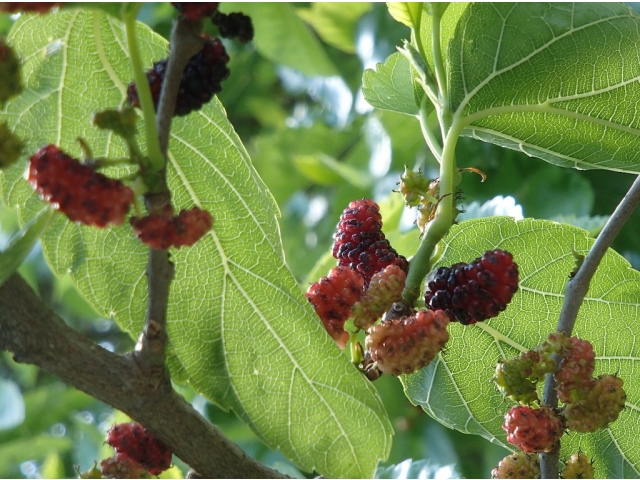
(52, 466)
(281, 36)
(417, 469)
(22, 244)
(457, 389)
(34, 448)
(173, 472)
(244, 307)
(335, 22)
(325, 170)
(390, 86)
(593, 224)
(12, 409)
(581, 116)
(407, 13)
(496, 207)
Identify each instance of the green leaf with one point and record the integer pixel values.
(448, 24)
(407, 13)
(276, 26)
(390, 86)
(20, 246)
(457, 389)
(260, 348)
(335, 22)
(14, 453)
(559, 81)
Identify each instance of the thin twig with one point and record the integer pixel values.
(575, 292)
(151, 347)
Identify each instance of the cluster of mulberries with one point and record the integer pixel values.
(476, 291)
(589, 403)
(77, 190)
(384, 290)
(202, 78)
(137, 451)
(361, 245)
(161, 231)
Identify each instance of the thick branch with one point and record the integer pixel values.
(34, 334)
(575, 292)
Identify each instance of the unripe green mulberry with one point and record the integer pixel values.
(384, 289)
(11, 84)
(602, 405)
(413, 186)
(513, 378)
(578, 466)
(517, 465)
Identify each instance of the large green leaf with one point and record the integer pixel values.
(241, 330)
(558, 81)
(282, 37)
(457, 389)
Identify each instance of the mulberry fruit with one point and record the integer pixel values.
(77, 190)
(402, 346)
(196, 10)
(201, 79)
(161, 231)
(517, 465)
(474, 292)
(516, 377)
(11, 84)
(602, 405)
(574, 374)
(10, 146)
(361, 245)
(532, 430)
(332, 297)
(137, 443)
(384, 289)
(578, 466)
(234, 25)
(121, 466)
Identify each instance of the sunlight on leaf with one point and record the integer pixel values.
(242, 332)
(407, 13)
(390, 86)
(457, 390)
(530, 77)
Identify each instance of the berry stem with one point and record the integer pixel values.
(575, 292)
(421, 263)
(155, 156)
(185, 43)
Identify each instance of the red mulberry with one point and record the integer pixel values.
(332, 297)
(77, 190)
(405, 345)
(533, 430)
(385, 288)
(474, 292)
(161, 231)
(574, 374)
(137, 443)
(234, 25)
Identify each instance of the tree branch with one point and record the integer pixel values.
(574, 294)
(36, 335)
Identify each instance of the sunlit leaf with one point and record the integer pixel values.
(335, 22)
(531, 77)
(407, 13)
(457, 388)
(242, 332)
(390, 86)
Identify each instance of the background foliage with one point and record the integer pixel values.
(317, 144)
